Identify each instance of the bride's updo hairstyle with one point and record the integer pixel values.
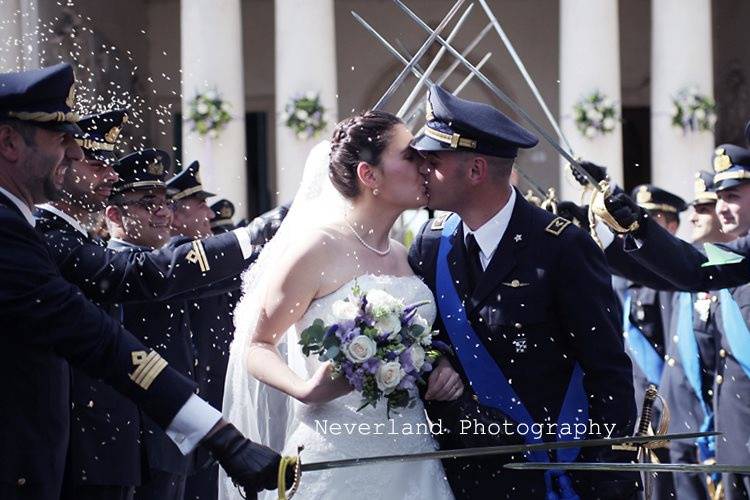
(362, 137)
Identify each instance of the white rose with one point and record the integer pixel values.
(700, 114)
(388, 376)
(608, 124)
(202, 108)
(712, 119)
(344, 310)
(380, 302)
(390, 324)
(360, 349)
(417, 356)
(590, 132)
(420, 321)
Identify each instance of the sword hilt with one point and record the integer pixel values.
(644, 427)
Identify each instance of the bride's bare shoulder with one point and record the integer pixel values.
(317, 245)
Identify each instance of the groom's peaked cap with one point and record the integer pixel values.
(455, 124)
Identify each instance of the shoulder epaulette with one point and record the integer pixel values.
(439, 222)
(557, 225)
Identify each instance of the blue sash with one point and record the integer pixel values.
(488, 381)
(640, 349)
(735, 330)
(687, 347)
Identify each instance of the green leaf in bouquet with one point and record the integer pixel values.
(416, 331)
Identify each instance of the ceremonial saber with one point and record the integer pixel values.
(416, 70)
(415, 110)
(431, 67)
(522, 68)
(507, 100)
(470, 76)
(593, 466)
(496, 450)
(426, 45)
(536, 187)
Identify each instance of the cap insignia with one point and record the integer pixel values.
(643, 195)
(722, 161)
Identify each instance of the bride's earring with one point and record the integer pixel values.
(375, 192)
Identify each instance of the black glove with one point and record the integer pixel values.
(624, 210)
(578, 215)
(252, 466)
(594, 170)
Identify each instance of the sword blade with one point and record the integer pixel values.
(525, 73)
(415, 69)
(503, 97)
(683, 468)
(425, 46)
(497, 450)
(435, 61)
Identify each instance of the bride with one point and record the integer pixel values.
(336, 235)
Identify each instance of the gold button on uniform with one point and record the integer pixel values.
(21, 481)
(719, 379)
(518, 325)
(722, 353)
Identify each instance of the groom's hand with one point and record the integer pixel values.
(444, 383)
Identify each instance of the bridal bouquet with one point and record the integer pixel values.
(380, 345)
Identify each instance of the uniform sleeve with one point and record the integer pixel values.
(41, 309)
(108, 276)
(680, 263)
(623, 264)
(590, 314)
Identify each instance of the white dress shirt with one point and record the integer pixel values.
(490, 234)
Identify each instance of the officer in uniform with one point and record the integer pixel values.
(50, 321)
(138, 218)
(211, 318)
(105, 452)
(683, 265)
(524, 299)
(223, 216)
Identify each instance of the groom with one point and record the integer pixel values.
(525, 301)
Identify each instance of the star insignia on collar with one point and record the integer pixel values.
(517, 238)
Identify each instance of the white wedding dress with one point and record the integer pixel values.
(334, 430)
(367, 432)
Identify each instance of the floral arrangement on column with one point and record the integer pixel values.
(305, 115)
(693, 111)
(208, 113)
(595, 114)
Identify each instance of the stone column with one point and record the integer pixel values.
(305, 61)
(681, 56)
(589, 61)
(211, 59)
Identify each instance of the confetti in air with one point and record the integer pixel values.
(108, 76)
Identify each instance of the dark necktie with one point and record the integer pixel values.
(475, 264)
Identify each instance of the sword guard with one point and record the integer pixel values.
(296, 461)
(599, 208)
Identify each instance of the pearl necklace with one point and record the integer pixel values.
(382, 253)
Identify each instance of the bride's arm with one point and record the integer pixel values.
(291, 289)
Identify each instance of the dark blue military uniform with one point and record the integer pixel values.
(543, 304)
(683, 264)
(49, 322)
(105, 448)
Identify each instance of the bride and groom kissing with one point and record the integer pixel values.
(522, 298)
